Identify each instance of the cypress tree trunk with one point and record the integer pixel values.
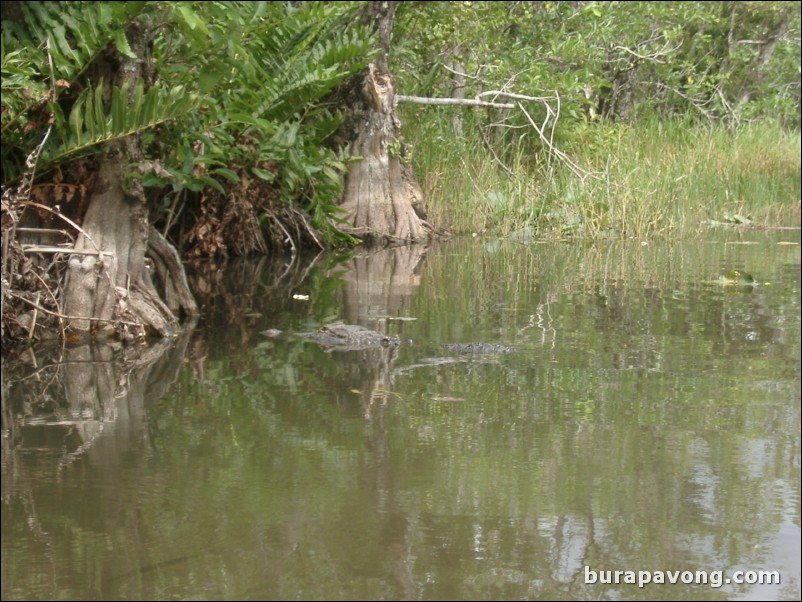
(380, 191)
(109, 286)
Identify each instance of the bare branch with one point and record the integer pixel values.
(455, 72)
(650, 57)
(44, 231)
(561, 155)
(551, 114)
(516, 96)
(423, 100)
(66, 219)
(50, 250)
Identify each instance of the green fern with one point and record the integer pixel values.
(92, 122)
(305, 56)
(47, 54)
(79, 31)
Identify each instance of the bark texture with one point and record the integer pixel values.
(380, 192)
(110, 287)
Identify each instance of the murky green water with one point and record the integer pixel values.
(649, 421)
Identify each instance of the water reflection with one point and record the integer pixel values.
(649, 420)
(74, 435)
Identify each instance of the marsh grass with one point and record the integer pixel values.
(657, 178)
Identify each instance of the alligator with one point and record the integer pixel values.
(349, 336)
(479, 348)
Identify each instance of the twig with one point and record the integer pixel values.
(49, 292)
(493, 152)
(45, 250)
(461, 73)
(44, 231)
(66, 317)
(726, 104)
(308, 228)
(507, 125)
(515, 96)
(32, 327)
(697, 104)
(33, 159)
(554, 124)
(565, 158)
(68, 220)
(173, 215)
(649, 57)
(289, 238)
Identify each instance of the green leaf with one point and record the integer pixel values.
(331, 174)
(209, 181)
(192, 20)
(118, 107)
(121, 43)
(208, 78)
(227, 174)
(100, 115)
(77, 118)
(269, 176)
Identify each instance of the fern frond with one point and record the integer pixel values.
(78, 31)
(92, 122)
(303, 59)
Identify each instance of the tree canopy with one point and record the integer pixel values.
(728, 61)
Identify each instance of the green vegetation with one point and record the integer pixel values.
(236, 99)
(230, 126)
(669, 115)
(655, 178)
(129, 128)
(651, 101)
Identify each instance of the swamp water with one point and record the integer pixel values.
(649, 420)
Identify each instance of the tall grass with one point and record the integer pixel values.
(649, 179)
